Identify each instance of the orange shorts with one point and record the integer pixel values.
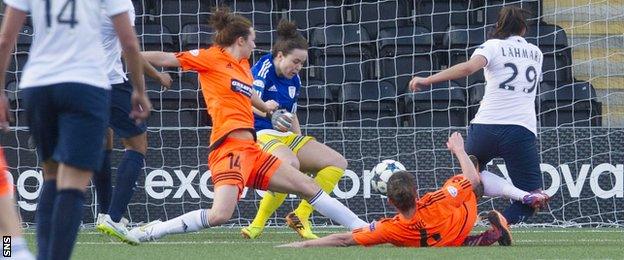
(5, 185)
(242, 163)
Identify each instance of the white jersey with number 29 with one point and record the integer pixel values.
(512, 73)
(67, 46)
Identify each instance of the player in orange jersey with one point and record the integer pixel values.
(9, 220)
(441, 218)
(235, 160)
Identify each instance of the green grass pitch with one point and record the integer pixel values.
(226, 243)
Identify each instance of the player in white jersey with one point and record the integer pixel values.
(505, 124)
(67, 96)
(134, 137)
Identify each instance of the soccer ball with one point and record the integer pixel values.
(382, 173)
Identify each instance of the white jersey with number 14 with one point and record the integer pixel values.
(66, 46)
(512, 74)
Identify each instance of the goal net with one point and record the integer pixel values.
(355, 99)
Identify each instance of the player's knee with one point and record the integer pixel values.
(219, 217)
(137, 143)
(292, 161)
(307, 188)
(339, 161)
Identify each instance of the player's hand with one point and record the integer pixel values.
(272, 105)
(282, 120)
(141, 107)
(455, 143)
(5, 115)
(417, 83)
(165, 80)
(291, 245)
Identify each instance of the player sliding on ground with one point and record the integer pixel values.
(235, 159)
(133, 136)
(67, 97)
(505, 125)
(276, 79)
(441, 218)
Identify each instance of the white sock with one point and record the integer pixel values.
(496, 186)
(189, 222)
(336, 211)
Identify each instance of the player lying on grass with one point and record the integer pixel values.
(276, 79)
(441, 218)
(235, 159)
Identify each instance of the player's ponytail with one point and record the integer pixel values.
(288, 38)
(228, 26)
(511, 21)
(402, 190)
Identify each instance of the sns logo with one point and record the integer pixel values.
(241, 87)
(6, 246)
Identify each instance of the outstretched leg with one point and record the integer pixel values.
(223, 206)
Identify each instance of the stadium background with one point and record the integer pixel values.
(362, 54)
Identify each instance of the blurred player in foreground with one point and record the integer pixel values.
(9, 220)
(66, 95)
(276, 79)
(441, 218)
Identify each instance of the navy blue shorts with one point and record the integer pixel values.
(121, 106)
(515, 144)
(67, 122)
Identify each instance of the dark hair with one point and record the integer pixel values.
(402, 190)
(511, 21)
(228, 26)
(288, 38)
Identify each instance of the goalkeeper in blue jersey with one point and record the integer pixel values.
(276, 79)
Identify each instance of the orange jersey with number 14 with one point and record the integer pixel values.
(442, 218)
(226, 84)
(227, 87)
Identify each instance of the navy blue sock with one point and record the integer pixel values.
(517, 212)
(102, 182)
(128, 171)
(45, 207)
(68, 210)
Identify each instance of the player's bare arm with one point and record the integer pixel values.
(13, 20)
(130, 45)
(458, 71)
(161, 59)
(455, 144)
(296, 126)
(335, 240)
(163, 77)
(262, 106)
